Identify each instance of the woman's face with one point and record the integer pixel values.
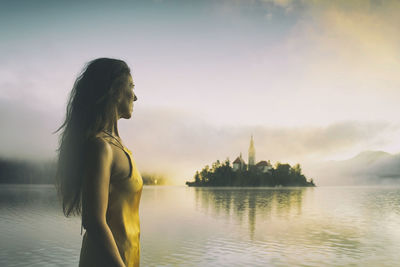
(127, 97)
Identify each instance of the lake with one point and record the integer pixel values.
(181, 226)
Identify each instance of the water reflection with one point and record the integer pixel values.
(248, 204)
(33, 230)
(181, 226)
(22, 196)
(300, 220)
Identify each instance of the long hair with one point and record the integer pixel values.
(90, 108)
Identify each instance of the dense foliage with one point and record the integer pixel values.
(222, 174)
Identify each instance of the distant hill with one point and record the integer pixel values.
(366, 168)
(27, 172)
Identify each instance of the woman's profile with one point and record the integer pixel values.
(96, 176)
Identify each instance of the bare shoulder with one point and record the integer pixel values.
(99, 159)
(98, 147)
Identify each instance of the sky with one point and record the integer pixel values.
(310, 80)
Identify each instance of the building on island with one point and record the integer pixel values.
(239, 164)
(252, 153)
(264, 166)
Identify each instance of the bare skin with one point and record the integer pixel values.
(104, 163)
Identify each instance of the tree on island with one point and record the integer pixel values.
(222, 174)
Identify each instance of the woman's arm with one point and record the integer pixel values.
(95, 199)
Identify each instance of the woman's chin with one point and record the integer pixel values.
(126, 116)
(130, 115)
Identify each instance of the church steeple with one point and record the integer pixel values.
(252, 152)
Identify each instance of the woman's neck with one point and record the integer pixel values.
(112, 129)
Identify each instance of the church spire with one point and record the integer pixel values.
(252, 152)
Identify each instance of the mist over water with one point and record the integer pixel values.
(181, 226)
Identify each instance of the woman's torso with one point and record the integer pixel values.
(122, 214)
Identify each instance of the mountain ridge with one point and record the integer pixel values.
(366, 168)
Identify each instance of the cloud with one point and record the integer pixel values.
(177, 143)
(354, 42)
(180, 143)
(338, 44)
(26, 132)
(287, 5)
(350, 42)
(338, 61)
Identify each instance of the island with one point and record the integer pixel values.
(251, 174)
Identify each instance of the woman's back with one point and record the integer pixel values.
(122, 215)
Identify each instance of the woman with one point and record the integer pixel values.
(96, 176)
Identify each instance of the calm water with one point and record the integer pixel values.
(180, 226)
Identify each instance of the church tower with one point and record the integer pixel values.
(252, 153)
